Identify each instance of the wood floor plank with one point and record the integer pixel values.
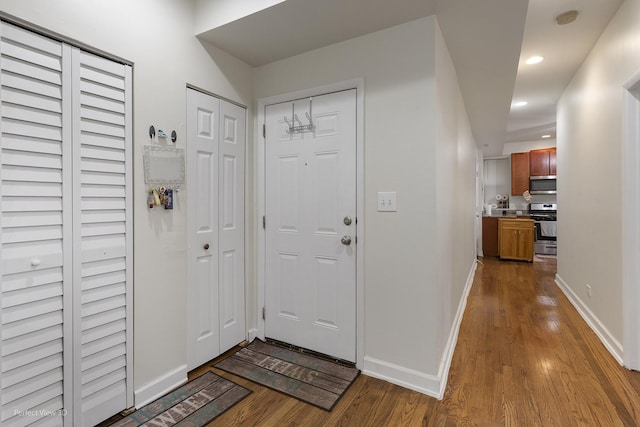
(524, 357)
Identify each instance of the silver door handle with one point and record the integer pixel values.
(346, 240)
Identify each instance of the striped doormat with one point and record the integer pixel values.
(307, 378)
(194, 404)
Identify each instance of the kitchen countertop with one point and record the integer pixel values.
(508, 215)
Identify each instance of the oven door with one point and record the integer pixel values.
(545, 238)
(545, 230)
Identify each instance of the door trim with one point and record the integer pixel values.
(630, 223)
(358, 85)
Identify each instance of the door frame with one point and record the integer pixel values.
(358, 85)
(631, 223)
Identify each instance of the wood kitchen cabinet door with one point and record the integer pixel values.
(515, 238)
(542, 162)
(519, 173)
(490, 237)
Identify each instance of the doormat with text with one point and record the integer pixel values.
(307, 378)
(194, 404)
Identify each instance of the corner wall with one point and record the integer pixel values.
(158, 37)
(455, 203)
(405, 332)
(590, 143)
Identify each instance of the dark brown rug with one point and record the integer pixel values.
(307, 378)
(194, 404)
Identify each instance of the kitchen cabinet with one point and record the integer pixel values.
(490, 236)
(542, 162)
(515, 238)
(519, 173)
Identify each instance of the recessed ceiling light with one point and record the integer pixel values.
(534, 60)
(546, 136)
(519, 104)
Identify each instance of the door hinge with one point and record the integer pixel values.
(264, 313)
(264, 130)
(264, 222)
(356, 239)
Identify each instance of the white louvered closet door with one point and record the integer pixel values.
(65, 218)
(102, 245)
(35, 220)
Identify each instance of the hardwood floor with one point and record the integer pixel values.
(524, 357)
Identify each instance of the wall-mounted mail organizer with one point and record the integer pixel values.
(164, 173)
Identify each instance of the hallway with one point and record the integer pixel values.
(524, 358)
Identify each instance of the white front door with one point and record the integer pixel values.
(310, 290)
(202, 270)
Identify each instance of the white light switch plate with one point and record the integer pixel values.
(387, 201)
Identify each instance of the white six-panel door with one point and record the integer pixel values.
(310, 290)
(203, 331)
(65, 215)
(215, 270)
(231, 225)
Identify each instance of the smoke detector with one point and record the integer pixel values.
(567, 17)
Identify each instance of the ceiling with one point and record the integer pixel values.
(564, 48)
(488, 41)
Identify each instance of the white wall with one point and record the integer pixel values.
(455, 176)
(158, 37)
(497, 179)
(210, 14)
(404, 324)
(589, 139)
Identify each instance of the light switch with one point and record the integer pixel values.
(387, 201)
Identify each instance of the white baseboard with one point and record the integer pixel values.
(443, 371)
(609, 341)
(431, 385)
(160, 386)
(404, 377)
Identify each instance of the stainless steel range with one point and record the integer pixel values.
(545, 215)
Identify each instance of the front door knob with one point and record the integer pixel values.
(206, 246)
(346, 240)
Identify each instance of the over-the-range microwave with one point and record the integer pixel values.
(542, 184)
